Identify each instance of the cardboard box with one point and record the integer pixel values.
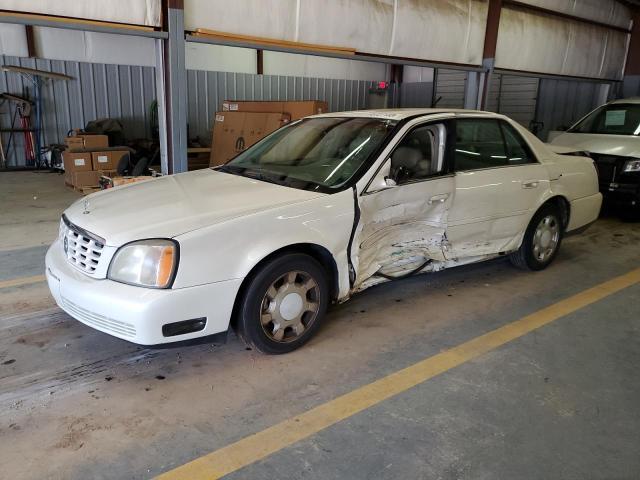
(107, 159)
(74, 143)
(77, 161)
(295, 110)
(95, 141)
(80, 180)
(86, 141)
(233, 132)
(116, 156)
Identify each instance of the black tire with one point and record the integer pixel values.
(256, 303)
(524, 257)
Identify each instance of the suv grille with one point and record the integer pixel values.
(609, 167)
(83, 249)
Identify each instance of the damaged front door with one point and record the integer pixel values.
(403, 211)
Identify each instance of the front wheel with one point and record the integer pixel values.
(283, 304)
(541, 240)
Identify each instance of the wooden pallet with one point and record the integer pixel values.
(85, 190)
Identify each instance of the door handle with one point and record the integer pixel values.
(530, 184)
(438, 198)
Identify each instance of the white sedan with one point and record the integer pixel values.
(315, 212)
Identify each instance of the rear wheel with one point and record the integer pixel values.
(541, 240)
(284, 304)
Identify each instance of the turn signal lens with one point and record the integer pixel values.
(165, 267)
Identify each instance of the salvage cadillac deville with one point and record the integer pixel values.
(315, 212)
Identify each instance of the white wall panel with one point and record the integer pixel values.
(611, 12)
(218, 58)
(571, 48)
(443, 30)
(365, 25)
(13, 40)
(279, 63)
(262, 18)
(78, 46)
(413, 74)
(137, 12)
(448, 31)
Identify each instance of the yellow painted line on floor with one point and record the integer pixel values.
(262, 444)
(18, 282)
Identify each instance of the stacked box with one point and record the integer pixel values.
(84, 141)
(87, 158)
(243, 123)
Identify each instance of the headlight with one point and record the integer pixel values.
(147, 263)
(632, 166)
(62, 229)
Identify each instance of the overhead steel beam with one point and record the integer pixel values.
(524, 73)
(79, 24)
(363, 57)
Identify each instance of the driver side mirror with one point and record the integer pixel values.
(383, 179)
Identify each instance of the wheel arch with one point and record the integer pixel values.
(563, 205)
(315, 251)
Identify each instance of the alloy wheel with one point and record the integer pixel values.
(289, 307)
(546, 238)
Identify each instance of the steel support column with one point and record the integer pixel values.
(489, 50)
(175, 89)
(162, 105)
(472, 90)
(631, 79)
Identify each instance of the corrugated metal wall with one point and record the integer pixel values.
(96, 91)
(126, 93)
(563, 102)
(450, 88)
(514, 96)
(207, 90)
(416, 95)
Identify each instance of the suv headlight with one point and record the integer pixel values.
(632, 166)
(146, 263)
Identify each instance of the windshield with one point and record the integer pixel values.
(313, 153)
(613, 119)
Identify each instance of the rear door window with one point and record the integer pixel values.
(479, 144)
(518, 152)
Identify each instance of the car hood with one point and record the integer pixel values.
(172, 205)
(620, 145)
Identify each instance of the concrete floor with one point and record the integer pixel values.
(560, 402)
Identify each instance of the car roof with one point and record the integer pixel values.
(402, 113)
(626, 100)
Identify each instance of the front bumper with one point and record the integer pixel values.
(134, 313)
(623, 194)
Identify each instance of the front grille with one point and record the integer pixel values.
(609, 166)
(83, 249)
(98, 321)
